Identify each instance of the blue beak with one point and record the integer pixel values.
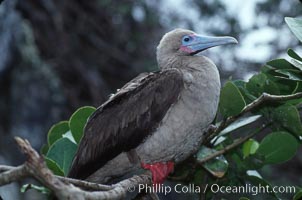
(200, 43)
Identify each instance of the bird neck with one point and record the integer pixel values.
(169, 61)
(183, 62)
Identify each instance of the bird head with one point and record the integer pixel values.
(182, 42)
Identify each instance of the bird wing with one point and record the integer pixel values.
(126, 119)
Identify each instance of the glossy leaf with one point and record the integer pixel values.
(217, 166)
(294, 55)
(288, 117)
(78, 120)
(52, 165)
(280, 64)
(296, 63)
(249, 147)
(240, 123)
(295, 26)
(278, 147)
(62, 153)
(56, 132)
(292, 74)
(231, 100)
(68, 135)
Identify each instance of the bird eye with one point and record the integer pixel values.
(186, 39)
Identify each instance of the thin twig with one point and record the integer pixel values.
(231, 146)
(264, 98)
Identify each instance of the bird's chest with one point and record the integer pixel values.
(182, 127)
(198, 102)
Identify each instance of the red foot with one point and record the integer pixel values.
(159, 170)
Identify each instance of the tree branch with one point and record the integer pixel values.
(85, 184)
(264, 98)
(14, 174)
(35, 167)
(231, 146)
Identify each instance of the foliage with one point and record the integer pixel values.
(40, 189)
(231, 100)
(276, 77)
(295, 26)
(280, 144)
(63, 139)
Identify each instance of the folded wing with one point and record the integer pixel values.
(126, 119)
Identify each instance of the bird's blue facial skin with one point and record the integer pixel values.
(187, 39)
(193, 43)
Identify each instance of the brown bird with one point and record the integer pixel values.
(158, 118)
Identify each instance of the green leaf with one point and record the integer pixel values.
(69, 136)
(239, 83)
(248, 97)
(298, 195)
(44, 149)
(40, 189)
(287, 86)
(249, 147)
(78, 121)
(240, 123)
(52, 165)
(288, 117)
(56, 132)
(280, 64)
(260, 83)
(218, 166)
(244, 198)
(278, 147)
(231, 100)
(295, 26)
(291, 74)
(296, 63)
(296, 59)
(62, 153)
(253, 162)
(294, 55)
(199, 176)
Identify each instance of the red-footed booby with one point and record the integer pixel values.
(157, 118)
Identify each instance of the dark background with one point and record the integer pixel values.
(58, 55)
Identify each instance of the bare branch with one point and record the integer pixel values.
(35, 167)
(85, 184)
(264, 98)
(14, 174)
(4, 168)
(231, 146)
